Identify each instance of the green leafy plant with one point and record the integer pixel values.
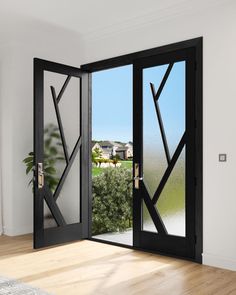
(97, 152)
(106, 161)
(115, 157)
(96, 155)
(112, 201)
(115, 160)
(53, 153)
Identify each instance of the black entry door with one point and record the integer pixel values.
(61, 133)
(164, 153)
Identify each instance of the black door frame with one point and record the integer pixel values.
(63, 232)
(162, 241)
(128, 59)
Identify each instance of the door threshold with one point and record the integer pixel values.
(144, 250)
(111, 243)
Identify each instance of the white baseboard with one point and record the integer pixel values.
(219, 261)
(23, 230)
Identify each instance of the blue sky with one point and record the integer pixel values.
(171, 103)
(112, 104)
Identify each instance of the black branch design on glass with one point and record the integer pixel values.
(171, 161)
(50, 197)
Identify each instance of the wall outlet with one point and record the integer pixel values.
(222, 157)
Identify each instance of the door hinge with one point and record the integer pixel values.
(195, 65)
(195, 181)
(195, 239)
(195, 123)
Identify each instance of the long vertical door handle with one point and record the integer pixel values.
(40, 176)
(137, 178)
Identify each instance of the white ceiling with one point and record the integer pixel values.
(89, 16)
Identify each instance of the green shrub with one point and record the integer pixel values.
(112, 201)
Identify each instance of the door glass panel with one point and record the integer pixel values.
(54, 159)
(172, 105)
(163, 128)
(48, 221)
(69, 107)
(61, 132)
(154, 161)
(67, 202)
(148, 224)
(171, 203)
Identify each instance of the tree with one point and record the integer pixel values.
(98, 152)
(94, 158)
(115, 159)
(96, 155)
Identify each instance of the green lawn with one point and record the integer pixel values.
(127, 164)
(96, 170)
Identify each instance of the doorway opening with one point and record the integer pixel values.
(140, 181)
(112, 155)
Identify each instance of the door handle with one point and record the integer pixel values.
(40, 176)
(137, 178)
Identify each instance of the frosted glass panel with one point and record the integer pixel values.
(164, 122)
(69, 107)
(171, 203)
(53, 151)
(148, 224)
(61, 119)
(67, 202)
(154, 162)
(172, 105)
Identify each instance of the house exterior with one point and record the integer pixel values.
(113, 148)
(105, 151)
(129, 146)
(96, 145)
(122, 152)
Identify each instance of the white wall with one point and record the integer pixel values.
(6, 71)
(25, 41)
(1, 209)
(217, 26)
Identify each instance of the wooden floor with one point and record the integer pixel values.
(94, 268)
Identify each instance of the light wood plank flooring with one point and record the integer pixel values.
(87, 267)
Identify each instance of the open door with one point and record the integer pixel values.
(61, 151)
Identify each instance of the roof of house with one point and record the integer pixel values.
(117, 143)
(111, 144)
(94, 143)
(122, 149)
(106, 143)
(130, 142)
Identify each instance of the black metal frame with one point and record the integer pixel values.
(194, 48)
(183, 246)
(63, 232)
